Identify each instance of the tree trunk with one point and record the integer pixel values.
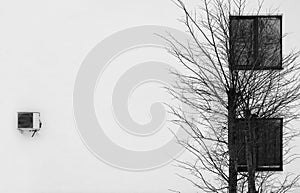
(250, 154)
(231, 146)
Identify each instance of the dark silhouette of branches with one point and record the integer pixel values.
(208, 58)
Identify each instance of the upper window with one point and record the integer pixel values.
(255, 42)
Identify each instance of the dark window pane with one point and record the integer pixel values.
(255, 42)
(268, 143)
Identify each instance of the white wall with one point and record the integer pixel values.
(42, 44)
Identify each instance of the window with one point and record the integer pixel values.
(255, 42)
(267, 142)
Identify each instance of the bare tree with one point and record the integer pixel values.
(219, 95)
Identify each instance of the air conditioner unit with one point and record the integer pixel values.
(29, 122)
